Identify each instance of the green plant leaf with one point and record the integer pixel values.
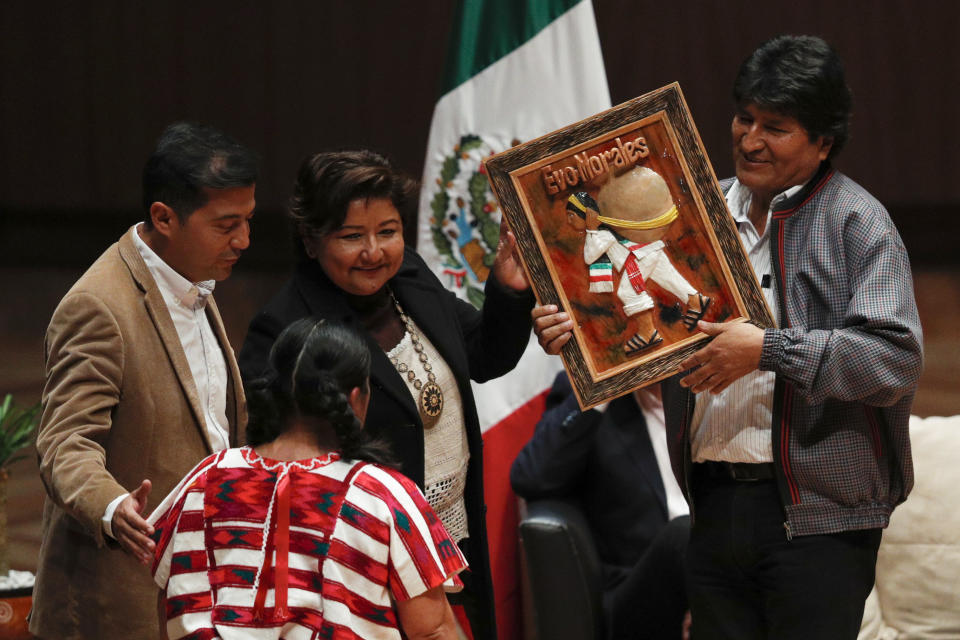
(16, 429)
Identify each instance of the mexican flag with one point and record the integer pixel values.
(516, 69)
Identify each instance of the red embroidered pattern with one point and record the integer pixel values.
(321, 523)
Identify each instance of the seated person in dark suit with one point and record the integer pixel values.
(607, 462)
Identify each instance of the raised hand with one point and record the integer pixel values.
(507, 268)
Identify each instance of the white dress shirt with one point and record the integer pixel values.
(186, 301)
(735, 424)
(651, 405)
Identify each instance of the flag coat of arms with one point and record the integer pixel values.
(515, 70)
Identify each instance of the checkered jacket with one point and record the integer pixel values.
(847, 356)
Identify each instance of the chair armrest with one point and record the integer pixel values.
(563, 570)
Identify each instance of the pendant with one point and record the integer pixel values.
(431, 403)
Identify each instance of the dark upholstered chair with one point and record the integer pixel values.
(562, 572)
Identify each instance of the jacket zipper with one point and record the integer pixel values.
(776, 252)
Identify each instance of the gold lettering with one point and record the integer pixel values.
(582, 169)
(622, 152)
(618, 157)
(558, 176)
(596, 165)
(589, 170)
(549, 181)
(606, 157)
(586, 167)
(641, 143)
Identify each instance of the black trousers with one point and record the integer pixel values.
(650, 603)
(746, 580)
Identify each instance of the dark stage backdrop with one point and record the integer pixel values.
(86, 88)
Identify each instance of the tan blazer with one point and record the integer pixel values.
(120, 405)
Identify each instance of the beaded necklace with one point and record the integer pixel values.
(430, 401)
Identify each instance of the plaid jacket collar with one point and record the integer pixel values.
(792, 204)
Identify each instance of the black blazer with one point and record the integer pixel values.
(604, 463)
(476, 345)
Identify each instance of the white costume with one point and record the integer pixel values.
(637, 263)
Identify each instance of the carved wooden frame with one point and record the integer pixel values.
(513, 177)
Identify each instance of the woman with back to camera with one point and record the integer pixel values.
(427, 345)
(300, 534)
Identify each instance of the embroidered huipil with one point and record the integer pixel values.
(254, 548)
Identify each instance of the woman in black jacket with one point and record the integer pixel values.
(427, 344)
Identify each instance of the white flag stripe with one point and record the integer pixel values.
(554, 79)
(521, 96)
(500, 397)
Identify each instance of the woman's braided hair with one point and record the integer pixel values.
(313, 366)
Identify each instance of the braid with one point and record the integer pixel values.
(315, 364)
(340, 415)
(323, 397)
(267, 408)
(319, 395)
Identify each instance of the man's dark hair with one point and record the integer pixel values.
(190, 158)
(802, 77)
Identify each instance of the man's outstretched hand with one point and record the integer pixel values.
(130, 529)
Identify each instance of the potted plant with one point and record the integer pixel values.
(16, 432)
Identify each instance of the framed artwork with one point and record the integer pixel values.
(621, 223)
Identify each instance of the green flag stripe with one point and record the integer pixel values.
(487, 30)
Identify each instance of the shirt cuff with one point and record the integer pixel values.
(108, 515)
(771, 354)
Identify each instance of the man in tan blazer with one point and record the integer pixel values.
(141, 384)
